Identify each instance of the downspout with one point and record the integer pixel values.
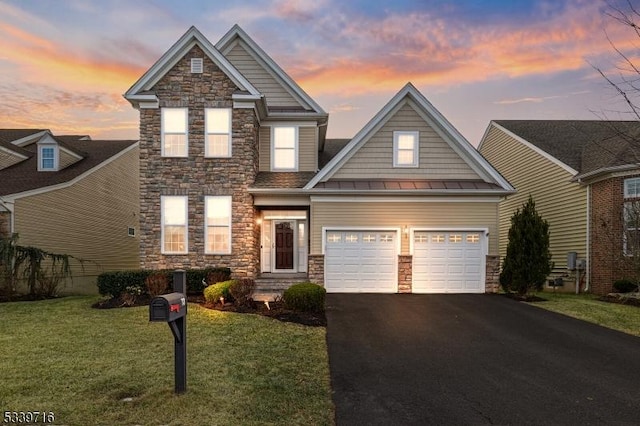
(588, 265)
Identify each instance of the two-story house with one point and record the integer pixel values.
(236, 170)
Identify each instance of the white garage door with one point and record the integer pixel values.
(448, 262)
(361, 261)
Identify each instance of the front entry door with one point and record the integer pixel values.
(284, 245)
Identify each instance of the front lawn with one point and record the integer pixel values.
(91, 366)
(587, 307)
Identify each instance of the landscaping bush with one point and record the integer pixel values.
(213, 293)
(305, 297)
(625, 286)
(217, 275)
(241, 291)
(198, 279)
(157, 283)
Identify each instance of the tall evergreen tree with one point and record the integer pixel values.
(528, 261)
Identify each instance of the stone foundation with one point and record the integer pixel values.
(405, 269)
(316, 268)
(492, 277)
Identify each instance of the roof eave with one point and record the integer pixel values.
(594, 174)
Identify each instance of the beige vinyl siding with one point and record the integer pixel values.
(375, 158)
(307, 149)
(7, 160)
(561, 202)
(66, 159)
(88, 219)
(398, 214)
(274, 92)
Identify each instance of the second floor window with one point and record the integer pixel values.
(284, 148)
(174, 132)
(218, 132)
(405, 149)
(47, 161)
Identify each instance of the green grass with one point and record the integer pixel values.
(586, 307)
(80, 363)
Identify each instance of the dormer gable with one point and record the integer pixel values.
(53, 154)
(140, 95)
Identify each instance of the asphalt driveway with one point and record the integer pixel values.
(475, 359)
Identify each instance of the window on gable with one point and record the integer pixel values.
(218, 132)
(48, 158)
(632, 188)
(174, 132)
(284, 151)
(174, 224)
(405, 149)
(218, 225)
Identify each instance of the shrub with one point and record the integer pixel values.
(305, 297)
(213, 293)
(198, 279)
(156, 283)
(218, 275)
(625, 286)
(241, 291)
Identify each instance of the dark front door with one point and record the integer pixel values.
(284, 245)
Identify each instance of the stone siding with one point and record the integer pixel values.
(316, 268)
(492, 276)
(607, 261)
(196, 176)
(405, 277)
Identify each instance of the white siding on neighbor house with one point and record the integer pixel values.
(437, 214)
(307, 149)
(558, 200)
(375, 158)
(66, 159)
(7, 159)
(275, 94)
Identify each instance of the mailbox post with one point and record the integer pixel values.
(172, 309)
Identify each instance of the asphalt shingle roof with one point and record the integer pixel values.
(583, 145)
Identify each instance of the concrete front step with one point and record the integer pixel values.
(277, 283)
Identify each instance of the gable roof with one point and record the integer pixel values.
(24, 176)
(584, 147)
(436, 120)
(269, 64)
(139, 92)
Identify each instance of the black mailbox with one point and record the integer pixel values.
(168, 307)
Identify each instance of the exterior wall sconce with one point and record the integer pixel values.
(259, 221)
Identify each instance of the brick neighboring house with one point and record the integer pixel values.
(71, 195)
(236, 170)
(582, 175)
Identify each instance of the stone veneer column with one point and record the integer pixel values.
(492, 277)
(316, 268)
(405, 273)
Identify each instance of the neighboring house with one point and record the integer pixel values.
(580, 174)
(235, 170)
(71, 195)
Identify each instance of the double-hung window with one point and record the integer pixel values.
(631, 237)
(175, 141)
(174, 224)
(405, 149)
(218, 132)
(48, 158)
(284, 148)
(218, 225)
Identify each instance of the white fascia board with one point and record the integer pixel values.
(534, 148)
(261, 55)
(71, 153)
(27, 140)
(13, 197)
(13, 153)
(594, 175)
(189, 39)
(143, 101)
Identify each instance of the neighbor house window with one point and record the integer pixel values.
(284, 148)
(631, 237)
(48, 160)
(174, 224)
(218, 132)
(174, 132)
(405, 149)
(218, 225)
(632, 188)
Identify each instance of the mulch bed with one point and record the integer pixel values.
(524, 298)
(621, 299)
(276, 310)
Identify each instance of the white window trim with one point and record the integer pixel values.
(56, 157)
(416, 148)
(186, 133)
(186, 225)
(295, 153)
(206, 224)
(230, 134)
(626, 188)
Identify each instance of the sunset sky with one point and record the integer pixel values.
(64, 65)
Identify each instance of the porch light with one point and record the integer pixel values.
(259, 221)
